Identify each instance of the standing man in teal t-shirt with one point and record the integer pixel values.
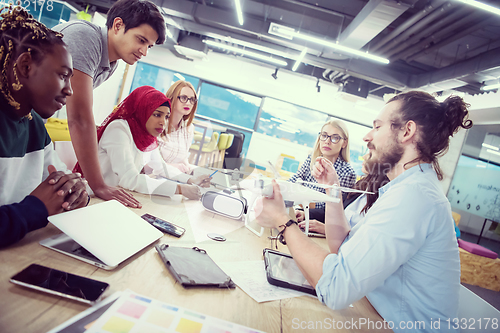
(132, 27)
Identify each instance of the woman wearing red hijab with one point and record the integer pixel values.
(128, 146)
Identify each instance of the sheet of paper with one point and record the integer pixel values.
(137, 313)
(250, 276)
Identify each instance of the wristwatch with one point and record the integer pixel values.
(280, 236)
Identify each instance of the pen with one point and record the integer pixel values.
(213, 173)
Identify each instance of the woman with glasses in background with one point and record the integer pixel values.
(175, 141)
(333, 144)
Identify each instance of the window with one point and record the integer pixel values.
(290, 122)
(229, 106)
(50, 13)
(160, 78)
(301, 125)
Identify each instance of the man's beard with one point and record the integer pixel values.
(388, 157)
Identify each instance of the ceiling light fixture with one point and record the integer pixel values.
(485, 145)
(491, 87)
(275, 75)
(257, 47)
(299, 59)
(245, 52)
(482, 6)
(284, 31)
(493, 152)
(238, 11)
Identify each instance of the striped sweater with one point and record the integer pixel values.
(25, 154)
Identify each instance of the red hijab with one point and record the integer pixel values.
(136, 110)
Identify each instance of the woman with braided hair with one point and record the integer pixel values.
(36, 69)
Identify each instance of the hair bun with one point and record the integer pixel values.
(456, 114)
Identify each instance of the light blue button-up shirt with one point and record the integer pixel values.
(403, 256)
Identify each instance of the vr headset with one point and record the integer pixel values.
(225, 205)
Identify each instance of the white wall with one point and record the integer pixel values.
(484, 108)
(448, 162)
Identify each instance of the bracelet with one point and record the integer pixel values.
(280, 235)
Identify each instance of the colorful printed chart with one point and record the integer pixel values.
(133, 313)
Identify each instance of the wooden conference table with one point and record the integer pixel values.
(25, 310)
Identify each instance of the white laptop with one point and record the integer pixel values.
(103, 234)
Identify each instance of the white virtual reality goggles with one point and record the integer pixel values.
(225, 205)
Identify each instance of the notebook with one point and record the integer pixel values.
(103, 234)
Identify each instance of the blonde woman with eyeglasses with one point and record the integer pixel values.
(333, 144)
(177, 138)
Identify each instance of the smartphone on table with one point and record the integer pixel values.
(60, 283)
(164, 226)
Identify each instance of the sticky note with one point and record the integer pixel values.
(188, 326)
(118, 325)
(132, 309)
(160, 318)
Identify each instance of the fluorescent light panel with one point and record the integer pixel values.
(299, 59)
(247, 53)
(491, 87)
(238, 11)
(485, 145)
(493, 152)
(333, 45)
(250, 45)
(482, 6)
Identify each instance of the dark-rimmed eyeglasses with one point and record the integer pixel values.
(334, 138)
(185, 99)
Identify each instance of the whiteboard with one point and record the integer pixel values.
(476, 188)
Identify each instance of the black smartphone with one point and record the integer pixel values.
(60, 283)
(164, 226)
